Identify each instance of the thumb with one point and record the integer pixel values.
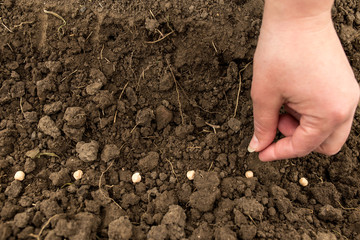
(266, 107)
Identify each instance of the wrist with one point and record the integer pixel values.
(308, 15)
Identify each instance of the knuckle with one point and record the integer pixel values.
(329, 150)
(339, 114)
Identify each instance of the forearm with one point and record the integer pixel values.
(302, 14)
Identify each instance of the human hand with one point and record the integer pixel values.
(299, 63)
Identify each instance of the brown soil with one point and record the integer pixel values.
(152, 86)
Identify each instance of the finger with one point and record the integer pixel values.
(306, 138)
(287, 125)
(336, 140)
(292, 112)
(266, 117)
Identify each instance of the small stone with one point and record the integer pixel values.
(164, 200)
(272, 211)
(87, 151)
(52, 108)
(234, 124)
(103, 99)
(347, 33)
(48, 126)
(204, 14)
(158, 233)
(129, 199)
(53, 66)
(203, 232)
(94, 87)
(182, 131)
(175, 220)
(50, 207)
(31, 117)
(120, 229)
(224, 233)
(325, 193)
(18, 90)
(21, 219)
(12, 65)
(75, 117)
(211, 140)
(32, 153)
(29, 166)
(131, 96)
(203, 200)
(144, 117)
(283, 205)
(149, 162)
(25, 201)
(110, 152)
(208, 181)
(222, 159)
(329, 213)
(9, 210)
(250, 207)
(44, 87)
(14, 189)
(151, 24)
(163, 117)
(166, 82)
(60, 178)
(191, 8)
(6, 142)
(74, 134)
(247, 232)
(97, 75)
(163, 176)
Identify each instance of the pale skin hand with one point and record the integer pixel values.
(300, 64)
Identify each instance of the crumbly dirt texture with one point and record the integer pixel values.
(117, 87)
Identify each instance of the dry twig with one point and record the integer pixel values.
(160, 39)
(37, 236)
(21, 107)
(59, 17)
(23, 23)
(123, 90)
(177, 91)
(239, 89)
(252, 219)
(172, 168)
(214, 127)
(69, 75)
(345, 208)
(2, 23)
(100, 188)
(212, 42)
(101, 52)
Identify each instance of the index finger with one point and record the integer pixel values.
(306, 138)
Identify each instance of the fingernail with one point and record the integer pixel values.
(254, 143)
